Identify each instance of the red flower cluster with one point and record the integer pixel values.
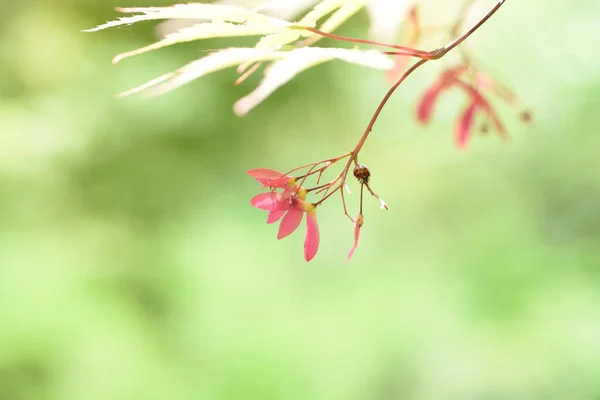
(452, 78)
(289, 205)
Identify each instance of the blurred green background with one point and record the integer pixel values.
(133, 267)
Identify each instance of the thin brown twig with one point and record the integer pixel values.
(410, 50)
(344, 203)
(432, 55)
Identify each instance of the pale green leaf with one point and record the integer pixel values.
(321, 10)
(211, 63)
(340, 10)
(298, 60)
(209, 30)
(220, 20)
(278, 40)
(287, 66)
(211, 12)
(386, 18)
(347, 10)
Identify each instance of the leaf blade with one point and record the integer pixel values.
(210, 12)
(282, 71)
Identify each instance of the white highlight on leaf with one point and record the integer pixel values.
(285, 9)
(298, 60)
(340, 11)
(147, 85)
(195, 21)
(211, 63)
(386, 18)
(287, 66)
(211, 12)
(206, 31)
(345, 9)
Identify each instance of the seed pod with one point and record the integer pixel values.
(361, 173)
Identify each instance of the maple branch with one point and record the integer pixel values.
(410, 51)
(424, 56)
(431, 55)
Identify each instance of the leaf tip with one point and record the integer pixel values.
(241, 108)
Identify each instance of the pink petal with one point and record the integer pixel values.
(274, 216)
(265, 201)
(465, 124)
(289, 223)
(425, 107)
(431, 95)
(481, 101)
(264, 173)
(311, 242)
(269, 177)
(271, 201)
(357, 225)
